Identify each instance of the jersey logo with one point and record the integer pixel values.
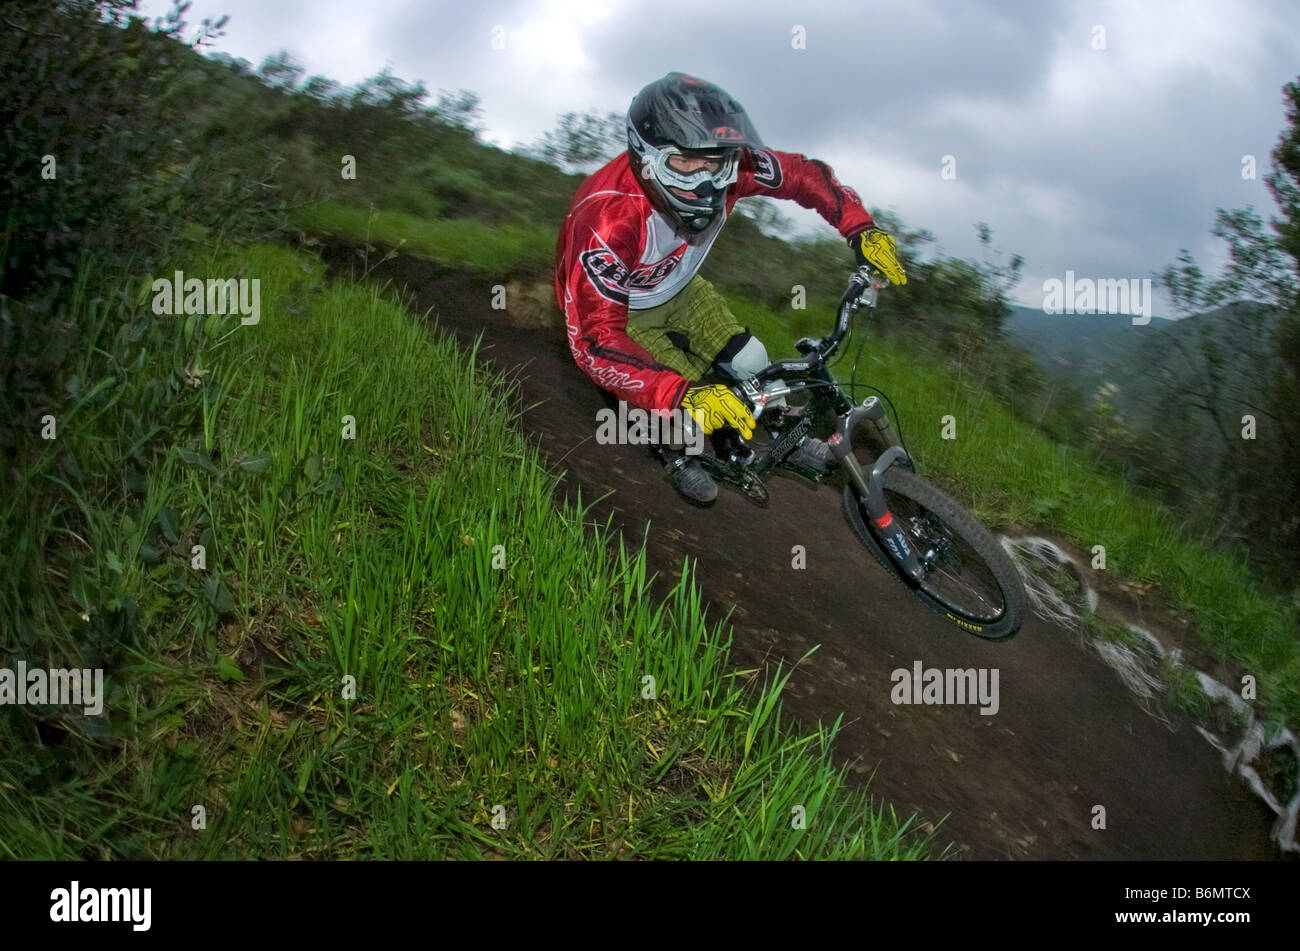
(607, 273)
(648, 276)
(612, 279)
(767, 170)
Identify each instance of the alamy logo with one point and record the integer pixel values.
(102, 904)
(633, 426)
(1084, 295)
(182, 295)
(56, 686)
(946, 685)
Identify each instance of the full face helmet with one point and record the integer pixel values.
(684, 139)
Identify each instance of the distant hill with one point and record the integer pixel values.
(1084, 351)
(1147, 364)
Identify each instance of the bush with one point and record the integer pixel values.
(102, 153)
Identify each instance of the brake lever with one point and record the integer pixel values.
(806, 345)
(873, 281)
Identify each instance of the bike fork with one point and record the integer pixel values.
(872, 494)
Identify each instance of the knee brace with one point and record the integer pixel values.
(742, 357)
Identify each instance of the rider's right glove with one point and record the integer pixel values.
(716, 406)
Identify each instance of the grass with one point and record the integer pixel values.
(463, 243)
(1183, 688)
(1114, 631)
(398, 645)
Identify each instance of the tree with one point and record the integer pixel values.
(281, 70)
(1244, 358)
(581, 142)
(460, 109)
(767, 217)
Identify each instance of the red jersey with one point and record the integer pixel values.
(612, 253)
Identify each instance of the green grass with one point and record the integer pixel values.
(500, 646)
(1114, 631)
(1183, 688)
(1010, 475)
(463, 243)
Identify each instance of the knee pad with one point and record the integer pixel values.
(742, 357)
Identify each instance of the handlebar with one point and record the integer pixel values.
(861, 291)
(863, 285)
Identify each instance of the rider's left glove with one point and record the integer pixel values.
(877, 249)
(714, 407)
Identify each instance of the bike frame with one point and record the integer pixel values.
(811, 373)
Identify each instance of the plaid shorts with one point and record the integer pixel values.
(686, 332)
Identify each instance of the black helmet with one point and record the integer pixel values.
(678, 115)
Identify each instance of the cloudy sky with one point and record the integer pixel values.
(1096, 137)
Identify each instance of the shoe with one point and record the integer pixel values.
(692, 482)
(812, 454)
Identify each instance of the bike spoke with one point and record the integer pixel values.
(953, 575)
(991, 612)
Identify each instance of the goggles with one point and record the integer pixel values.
(655, 162)
(728, 168)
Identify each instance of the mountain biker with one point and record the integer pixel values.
(641, 323)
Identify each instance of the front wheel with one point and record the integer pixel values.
(968, 577)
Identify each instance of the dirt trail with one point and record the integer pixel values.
(1020, 784)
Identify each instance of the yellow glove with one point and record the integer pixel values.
(716, 406)
(880, 251)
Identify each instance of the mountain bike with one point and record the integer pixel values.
(925, 538)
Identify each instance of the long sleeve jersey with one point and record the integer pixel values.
(617, 252)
